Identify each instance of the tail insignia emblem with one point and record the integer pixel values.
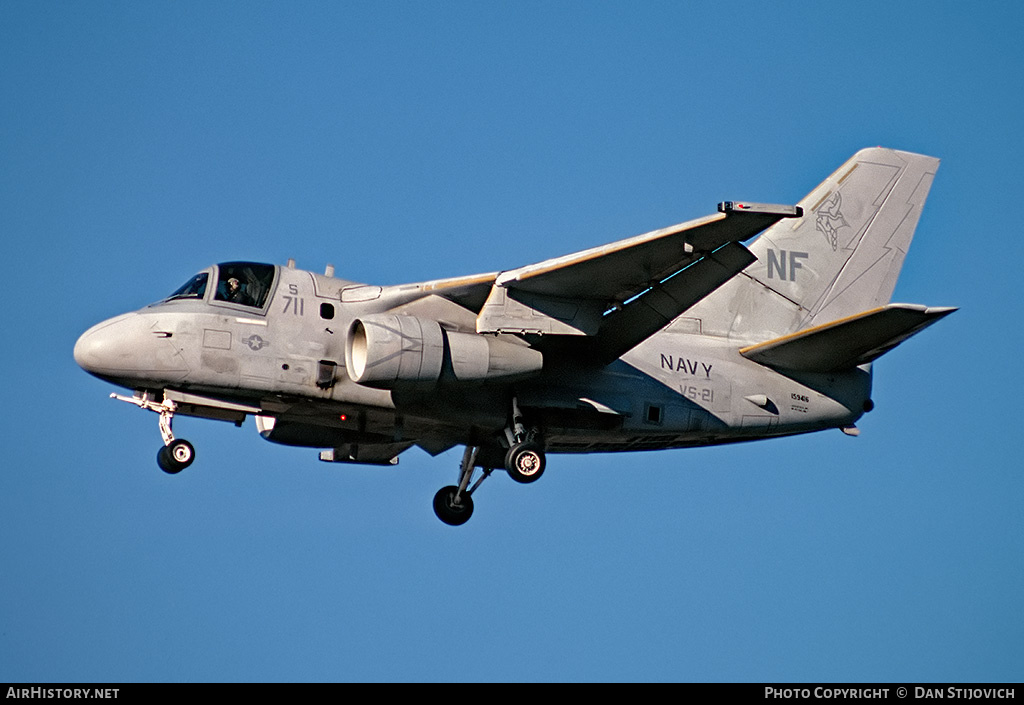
(830, 219)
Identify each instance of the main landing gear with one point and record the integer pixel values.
(177, 453)
(524, 463)
(454, 505)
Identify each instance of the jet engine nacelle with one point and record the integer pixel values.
(388, 351)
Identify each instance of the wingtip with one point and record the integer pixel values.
(930, 311)
(868, 152)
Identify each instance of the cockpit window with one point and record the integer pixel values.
(194, 288)
(245, 283)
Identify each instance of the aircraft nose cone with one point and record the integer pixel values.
(125, 348)
(98, 349)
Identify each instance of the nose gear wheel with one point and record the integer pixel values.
(175, 457)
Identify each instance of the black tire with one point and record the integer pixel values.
(449, 512)
(165, 463)
(525, 462)
(175, 457)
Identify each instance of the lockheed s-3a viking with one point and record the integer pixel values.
(679, 337)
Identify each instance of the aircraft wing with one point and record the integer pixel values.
(469, 292)
(572, 295)
(620, 270)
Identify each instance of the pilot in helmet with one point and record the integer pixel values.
(236, 294)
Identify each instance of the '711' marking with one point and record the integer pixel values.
(294, 304)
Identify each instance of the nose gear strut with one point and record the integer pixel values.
(176, 453)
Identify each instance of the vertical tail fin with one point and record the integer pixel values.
(841, 258)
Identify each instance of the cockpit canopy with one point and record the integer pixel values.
(194, 288)
(244, 283)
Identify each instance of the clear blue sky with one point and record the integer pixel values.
(403, 141)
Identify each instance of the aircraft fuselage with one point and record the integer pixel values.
(287, 358)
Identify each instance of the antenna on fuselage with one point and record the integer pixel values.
(329, 272)
(291, 263)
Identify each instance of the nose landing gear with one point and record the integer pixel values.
(177, 453)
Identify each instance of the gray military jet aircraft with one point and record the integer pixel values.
(676, 338)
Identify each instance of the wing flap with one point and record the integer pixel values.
(848, 342)
(641, 318)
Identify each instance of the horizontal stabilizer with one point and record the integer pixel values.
(848, 342)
